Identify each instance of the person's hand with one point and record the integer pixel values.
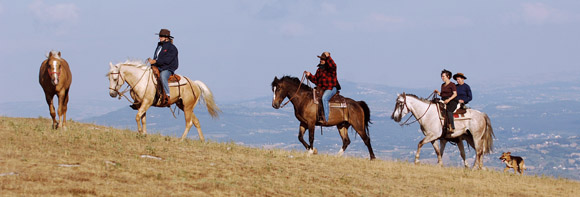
(327, 53)
(446, 101)
(307, 73)
(461, 101)
(151, 61)
(436, 91)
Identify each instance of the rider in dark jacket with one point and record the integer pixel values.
(165, 58)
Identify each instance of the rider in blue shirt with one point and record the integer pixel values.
(463, 90)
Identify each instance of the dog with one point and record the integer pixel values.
(515, 162)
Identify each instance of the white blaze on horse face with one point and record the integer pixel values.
(274, 97)
(54, 73)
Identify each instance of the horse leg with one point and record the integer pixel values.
(301, 136)
(49, 98)
(478, 155)
(343, 131)
(311, 140)
(367, 140)
(141, 119)
(462, 152)
(425, 140)
(441, 150)
(62, 109)
(190, 119)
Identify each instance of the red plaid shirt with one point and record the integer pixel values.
(325, 78)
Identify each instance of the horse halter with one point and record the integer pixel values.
(405, 103)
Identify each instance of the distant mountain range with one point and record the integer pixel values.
(539, 122)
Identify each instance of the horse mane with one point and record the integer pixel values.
(54, 54)
(419, 98)
(295, 81)
(135, 63)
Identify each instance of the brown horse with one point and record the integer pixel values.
(357, 113)
(55, 78)
(140, 78)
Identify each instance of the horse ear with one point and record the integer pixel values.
(111, 64)
(59, 54)
(509, 153)
(275, 78)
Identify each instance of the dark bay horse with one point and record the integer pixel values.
(55, 78)
(301, 96)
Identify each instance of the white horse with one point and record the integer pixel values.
(143, 86)
(475, 129)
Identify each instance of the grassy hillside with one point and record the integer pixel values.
(95, 160)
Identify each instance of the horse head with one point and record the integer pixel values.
(401, 108)
(115, 81)
(54, 66)
(279, 92)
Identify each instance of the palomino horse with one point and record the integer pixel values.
(301, 96)
(477, 130)
(55, 78)
(142, 82)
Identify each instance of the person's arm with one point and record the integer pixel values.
(331, 63)
(452, 97)
(311, 77)
(469, 95)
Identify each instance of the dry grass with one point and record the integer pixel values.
(108, 162)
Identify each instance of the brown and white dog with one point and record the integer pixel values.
(515, 162)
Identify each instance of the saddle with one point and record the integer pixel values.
(161, 98)
(459, 114)
(336, 101)
(174, 78)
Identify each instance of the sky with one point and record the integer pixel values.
(238, 47)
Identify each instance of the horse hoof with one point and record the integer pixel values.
(340, 153)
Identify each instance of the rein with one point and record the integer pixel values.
(416, 119)
(128, 88)
(301, 80)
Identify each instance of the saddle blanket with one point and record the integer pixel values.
(182, 81)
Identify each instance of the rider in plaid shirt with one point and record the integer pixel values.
(325, 79)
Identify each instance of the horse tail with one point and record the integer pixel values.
(367, 112)
(212, 108)
(488, 136)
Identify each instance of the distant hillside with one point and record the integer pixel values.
(95, 160)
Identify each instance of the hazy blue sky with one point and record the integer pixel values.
(237, 47)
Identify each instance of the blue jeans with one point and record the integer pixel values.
(164, 78)
(325, 98)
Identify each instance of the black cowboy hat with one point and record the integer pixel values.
(323, 56)
(459, 75)
(164, 33)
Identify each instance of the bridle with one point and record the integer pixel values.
(128, 88)
(301, 80)
(407, 107)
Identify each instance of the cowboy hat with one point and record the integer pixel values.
(459, 75)
(164, 33)
(323, 56)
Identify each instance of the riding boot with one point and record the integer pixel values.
(135, 106)
(450, 129)
(166, 101)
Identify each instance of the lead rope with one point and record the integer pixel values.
(417, 119)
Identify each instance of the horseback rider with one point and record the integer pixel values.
(463, 90)
(165, 58)
(449, 95)
(325, 79)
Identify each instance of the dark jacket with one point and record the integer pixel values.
(167, 58)
(464, 93)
